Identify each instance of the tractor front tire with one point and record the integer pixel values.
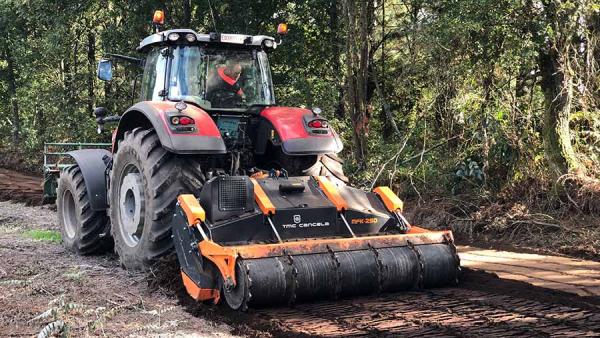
(83, 230)
(145, 182)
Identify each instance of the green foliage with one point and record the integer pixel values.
(461, 78)
(51, 236)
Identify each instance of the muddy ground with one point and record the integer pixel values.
(41, 283)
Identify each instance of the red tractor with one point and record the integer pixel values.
(250, 194)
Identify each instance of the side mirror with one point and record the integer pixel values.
(105, 70)
(100, 112)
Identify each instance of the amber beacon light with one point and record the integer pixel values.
(282, 29)
(158, 18)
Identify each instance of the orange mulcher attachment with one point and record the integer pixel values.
(340, 242)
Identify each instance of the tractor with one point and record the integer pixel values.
(251, 195)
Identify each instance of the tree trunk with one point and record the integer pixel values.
(12, 91)
(334, 24)
(91, 56)
(359, 20)
(488, 81)
(389, 124)
(557, 86)
(187, 14)
(40, 125)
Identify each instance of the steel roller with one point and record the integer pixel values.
(299, 278)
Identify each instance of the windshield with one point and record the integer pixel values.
(214, 78)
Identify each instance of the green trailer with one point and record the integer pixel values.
(56, 158)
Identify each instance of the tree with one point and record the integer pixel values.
(358, 16)
(555, 64)
(11, 37)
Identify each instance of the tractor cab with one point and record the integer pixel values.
(216, 86)
(212, 71)
(215, 71)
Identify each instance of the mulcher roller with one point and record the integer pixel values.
(286, 280)
(309, 240)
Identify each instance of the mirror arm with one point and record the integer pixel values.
(131, 59)
(108, 119)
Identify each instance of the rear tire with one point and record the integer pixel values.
(145, 182)
(82, 229)
(329, 165)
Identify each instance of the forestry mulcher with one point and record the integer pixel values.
(250, 194)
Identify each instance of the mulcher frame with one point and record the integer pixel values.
(225, 257)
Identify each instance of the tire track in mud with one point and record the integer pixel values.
(481, 306)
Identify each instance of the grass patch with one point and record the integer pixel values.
(52, 236)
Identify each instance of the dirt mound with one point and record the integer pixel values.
(551, 227)
(20, 187)
(581, 193)
(21, 162)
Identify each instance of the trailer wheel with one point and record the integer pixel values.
(145, 182)
(82, 229)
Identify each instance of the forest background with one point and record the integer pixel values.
(485, 107)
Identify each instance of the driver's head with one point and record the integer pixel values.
(233, 69)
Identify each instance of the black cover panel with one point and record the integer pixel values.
(227, 197)
(366, 212)
(251, 227)
(301, 214)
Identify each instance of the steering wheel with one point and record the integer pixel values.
(224, 98)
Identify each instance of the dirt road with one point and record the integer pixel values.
(481, 306)
(40, 284)
(566, 274)
(94, 296)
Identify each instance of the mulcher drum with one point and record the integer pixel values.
(287, 279)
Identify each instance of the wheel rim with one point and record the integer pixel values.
(131, 206)
(69, 215)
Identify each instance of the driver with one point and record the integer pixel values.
(225, 84)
